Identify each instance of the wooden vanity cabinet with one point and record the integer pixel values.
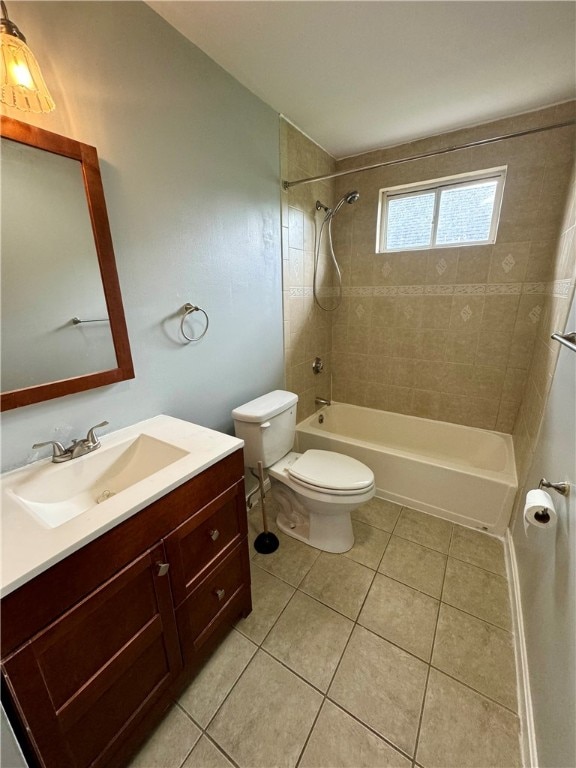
(84, 679)
(86, 686)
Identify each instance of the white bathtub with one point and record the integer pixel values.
(462, 474)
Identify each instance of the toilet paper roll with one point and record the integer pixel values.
(539, 510)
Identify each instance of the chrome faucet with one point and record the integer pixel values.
(76, 449)
(321, 401)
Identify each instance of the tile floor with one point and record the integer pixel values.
(398, 653)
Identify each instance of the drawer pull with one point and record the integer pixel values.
(220, 593)
(214, 534)
(163, 568)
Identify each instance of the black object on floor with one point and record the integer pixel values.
(266, 542)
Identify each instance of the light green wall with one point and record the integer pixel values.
(546, 559)
(190, 166)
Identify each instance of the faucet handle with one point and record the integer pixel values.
(91, 436)
(57, 448)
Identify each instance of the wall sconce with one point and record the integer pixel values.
(21, 82)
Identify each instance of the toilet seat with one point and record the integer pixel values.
(332, 472)
(307, 489)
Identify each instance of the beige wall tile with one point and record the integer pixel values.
(493, 348)
(540, 266)
(411, 268)
(461, 346)
(431, 345)
(522, 349)
(408, 311)
(507, 415)
(463, 353)
(514, 383)
(462, 409)
(530, 309)
(508, 263)
(467, 312)
(442, 266)
(500, 312)
(474, 264)
(426, 404)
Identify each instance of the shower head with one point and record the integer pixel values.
(349, 197)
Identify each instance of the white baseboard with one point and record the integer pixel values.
(525, 711)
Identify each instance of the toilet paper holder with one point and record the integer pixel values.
(562, 488)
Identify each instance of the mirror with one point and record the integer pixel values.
(63, 325)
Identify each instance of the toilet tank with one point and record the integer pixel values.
(267, 425)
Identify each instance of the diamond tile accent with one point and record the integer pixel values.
(441, 266)
(535, 313)
(386, 269)
(508, 263)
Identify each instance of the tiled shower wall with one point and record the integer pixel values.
(556, 307)
(307, 329)
(449, 333)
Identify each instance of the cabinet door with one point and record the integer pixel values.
(204, 539)
(83, 684)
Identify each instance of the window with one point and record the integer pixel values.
(459, 210)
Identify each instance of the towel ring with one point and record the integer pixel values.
(188, 309)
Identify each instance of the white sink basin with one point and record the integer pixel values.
(51, 510)
(58, 493)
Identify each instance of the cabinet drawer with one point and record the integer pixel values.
(210, 534)
(223, 594)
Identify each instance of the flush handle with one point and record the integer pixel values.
(162, 568)
(220, 594)
(214, 534)
(265, 425)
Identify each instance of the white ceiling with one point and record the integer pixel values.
(358, 75)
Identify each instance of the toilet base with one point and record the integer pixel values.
(327, 532)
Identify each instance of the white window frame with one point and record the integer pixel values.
(438, 186)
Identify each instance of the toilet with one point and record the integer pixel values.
(316, 490)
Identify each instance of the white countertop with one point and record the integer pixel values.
(30, 547)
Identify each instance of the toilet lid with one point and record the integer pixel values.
(331, 471)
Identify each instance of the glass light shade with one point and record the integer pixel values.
(21, 82)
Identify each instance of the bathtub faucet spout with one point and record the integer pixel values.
(321, 401)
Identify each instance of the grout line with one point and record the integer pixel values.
(261, 644)
(219, 747)
(475, 690)
(211, 720)
(479, 618)
(177, 705)
(371, 729)
(320, 708)
(417, 742)
(482, 568)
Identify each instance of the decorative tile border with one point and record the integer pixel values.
(534, 288)
(560, 288)
(557, 288)
(504, 289)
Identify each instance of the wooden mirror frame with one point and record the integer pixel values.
(88, 158)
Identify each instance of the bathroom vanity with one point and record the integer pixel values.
(98, 639)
